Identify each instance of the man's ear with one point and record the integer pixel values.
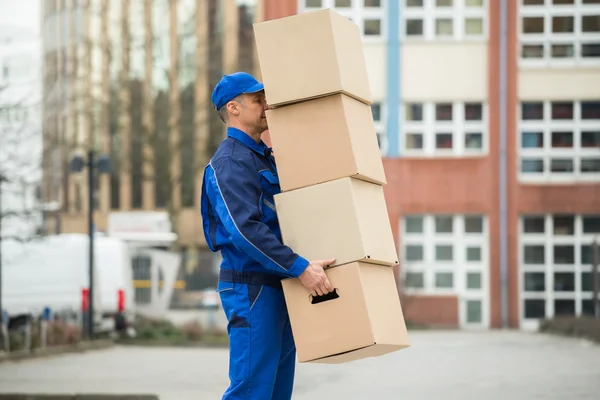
(233, 108)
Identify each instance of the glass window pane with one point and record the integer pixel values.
(376, 111)
(563, 24)
(372, 3)
(562, 140)
(473, 224)
(533, 25)
(474, 26)
(532, 140)
(414, 112)
(533, 2)
(591, 50)
(474, 280)
(564, 224)
(343, 3)
(443, 112)
(372, 27)
(590, 139)
(532, 51)
(414, 3)
(535, 282)
(443, 27)
(564, 254)
(532, 111)
(590, 1)
(414, 141)
(563, 51)
(533, 224)
(414, 280)
(444, 280)
(444, 224)
(314, 3)
(562, 165)
(564, 307)
(413, 252)
(535, 309)
(587, 282)
(534, 254)
(590, 23)
(473, 253)
(443, 252)
(474, 311)
(532, 165)
(414, 27)
(564, 282)
(443, 3)
(562, 110)
(443, 141)
(590, 110)
(473, 111)
(559, 2)
(474, 141)
(474, 3)
(414, 224)
(590, 165)
(586, 254)
(591, 224)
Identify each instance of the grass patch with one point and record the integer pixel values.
(585, 327)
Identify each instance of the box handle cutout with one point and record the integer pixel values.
(326, 297)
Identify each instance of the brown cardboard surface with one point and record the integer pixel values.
(346, 218)
(310, 55)
(366, 320)
(325, 139)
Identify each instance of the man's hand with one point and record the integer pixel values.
(315, 279)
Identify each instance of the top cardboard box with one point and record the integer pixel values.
(311, 55)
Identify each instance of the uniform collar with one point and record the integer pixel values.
(247, 141)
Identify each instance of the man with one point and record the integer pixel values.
(240, 220)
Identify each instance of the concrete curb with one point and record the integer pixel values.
(80, 347)
(78, 396)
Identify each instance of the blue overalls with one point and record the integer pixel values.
(239, 219)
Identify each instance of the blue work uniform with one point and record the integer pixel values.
(240, 220)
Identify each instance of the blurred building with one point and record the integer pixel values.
(20, 120)
(131, 79)
(488, 114)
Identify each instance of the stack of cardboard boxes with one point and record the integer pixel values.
(331, 174)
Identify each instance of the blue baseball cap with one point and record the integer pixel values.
(232, 85)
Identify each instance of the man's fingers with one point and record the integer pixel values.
(328, 286)
(319, 291)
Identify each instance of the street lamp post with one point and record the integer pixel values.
(77, 165)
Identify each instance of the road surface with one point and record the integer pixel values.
(440, 365)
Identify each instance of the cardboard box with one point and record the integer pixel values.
(365, 320)
(325, 139)
(310, 55)
(346, 218)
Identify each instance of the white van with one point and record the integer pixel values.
(53, 272)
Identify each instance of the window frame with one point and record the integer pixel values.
(358, 14)
(458, 12)
(547, 38)
(547, 125)
(549, 240)
(459, 127)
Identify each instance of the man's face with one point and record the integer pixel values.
(252, 111)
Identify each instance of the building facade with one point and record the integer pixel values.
(20, 121)
(488, 114)
(131, 80)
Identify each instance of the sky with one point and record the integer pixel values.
(19, 17)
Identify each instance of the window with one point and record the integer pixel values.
(559, 32)
(444, 19)
(378, 111)
(559, 141)
(445, 254)
(367, 14)
(444, 129)
(555, 264)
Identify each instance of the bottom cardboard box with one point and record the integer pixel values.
(361, 318)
